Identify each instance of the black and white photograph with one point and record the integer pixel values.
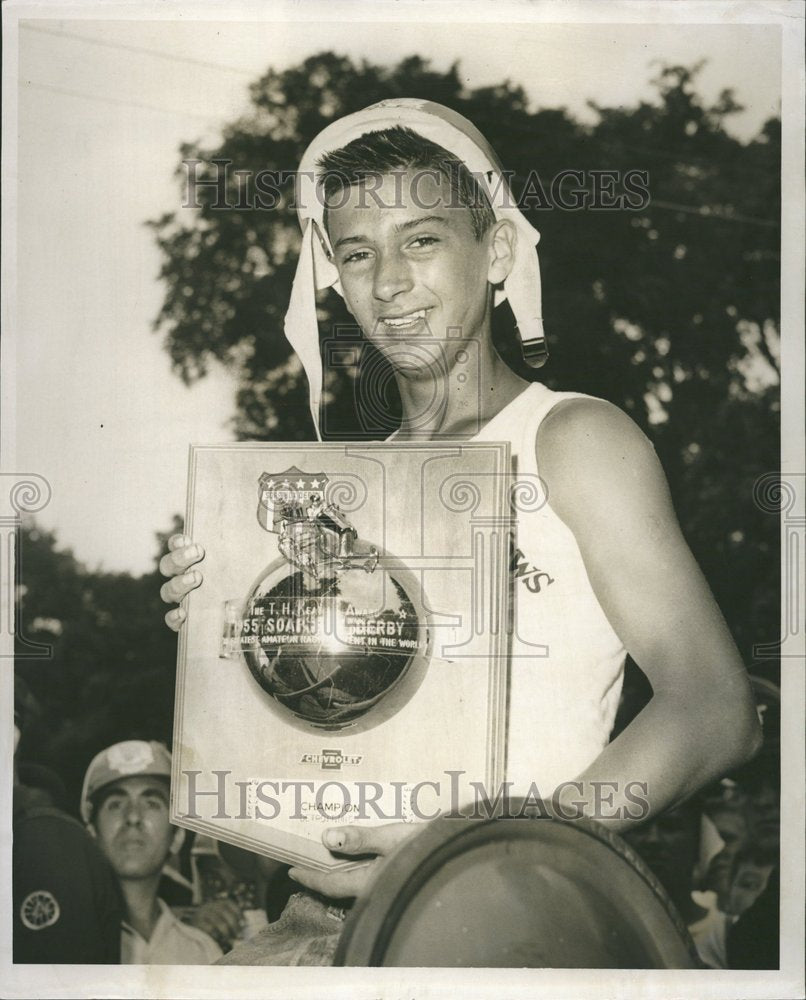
(403, 499)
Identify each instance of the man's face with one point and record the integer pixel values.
(731, 825)
(668, 845)
(748, 884)
(764, 815)
(411, 268)
(132, 827)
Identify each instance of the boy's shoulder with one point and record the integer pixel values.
(591, 453)
(585, 427)
(586, 416)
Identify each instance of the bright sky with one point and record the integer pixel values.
(103, 107)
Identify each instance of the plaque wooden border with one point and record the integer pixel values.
(463, 486)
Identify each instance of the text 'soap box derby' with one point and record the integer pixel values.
(345, 658)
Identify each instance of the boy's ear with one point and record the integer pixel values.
(503, 241)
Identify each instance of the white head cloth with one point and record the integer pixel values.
(315, 271)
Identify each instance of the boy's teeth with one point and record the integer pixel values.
(409, 320)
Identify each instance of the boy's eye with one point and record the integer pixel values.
(356, 257)
(417, 243)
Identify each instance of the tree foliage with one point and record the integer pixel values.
(111, 670)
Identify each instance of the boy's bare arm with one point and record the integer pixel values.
(605, 482)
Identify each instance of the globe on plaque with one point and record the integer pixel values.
(341, 646)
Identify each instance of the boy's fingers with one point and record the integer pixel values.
(178, 542)
(178, 560)
(174, 618)
(335, 885)
(174, 590)
(368, 839)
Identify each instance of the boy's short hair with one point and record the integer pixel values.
(398, 149)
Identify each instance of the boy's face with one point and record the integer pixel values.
(132, 826)
(411, 268)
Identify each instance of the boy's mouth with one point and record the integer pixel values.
(407, 321)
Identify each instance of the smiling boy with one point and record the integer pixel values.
(408, 216)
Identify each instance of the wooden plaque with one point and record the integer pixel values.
(284, 725)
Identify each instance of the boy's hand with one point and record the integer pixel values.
(378, 840)
(183, 553)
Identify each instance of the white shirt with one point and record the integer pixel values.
(567, 662)
(171, 943)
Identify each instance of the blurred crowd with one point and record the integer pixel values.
(717, 855)
(122, 885)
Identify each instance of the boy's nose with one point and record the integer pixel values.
(391, 277)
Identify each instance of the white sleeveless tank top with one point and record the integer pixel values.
(567, 663)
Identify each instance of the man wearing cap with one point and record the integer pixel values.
(124, 803)
(406, 212)
(67, 903)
